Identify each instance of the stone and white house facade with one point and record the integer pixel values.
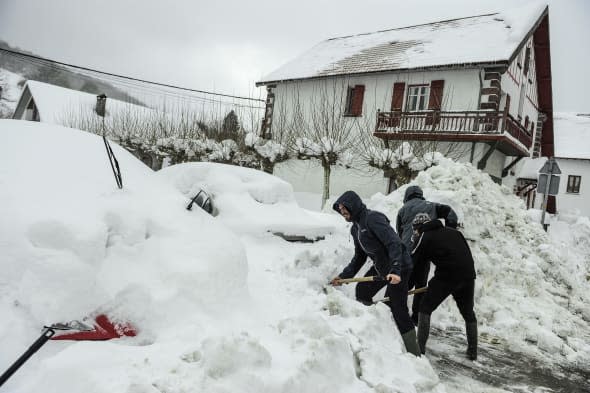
(483, 82)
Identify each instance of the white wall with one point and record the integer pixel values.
(461, 93)
(513, 80)
(567, 201)
(307, 176)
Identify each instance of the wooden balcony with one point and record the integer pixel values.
(471, 126)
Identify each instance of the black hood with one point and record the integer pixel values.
(413, 192)
(352, 202)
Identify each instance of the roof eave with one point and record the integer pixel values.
(528, 35)
(494, 63)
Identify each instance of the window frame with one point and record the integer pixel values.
(349, 101)
(573, 187)
(426, 94)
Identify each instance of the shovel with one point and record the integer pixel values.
(412, 292)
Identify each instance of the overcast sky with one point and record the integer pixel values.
(226, 46)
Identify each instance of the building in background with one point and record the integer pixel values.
(572, 153)
(482, 83)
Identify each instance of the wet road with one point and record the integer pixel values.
(498, 369)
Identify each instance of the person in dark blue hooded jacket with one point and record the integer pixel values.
(375, 238)
(414, 203)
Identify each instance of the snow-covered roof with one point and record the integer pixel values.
(56, 103)
(478, 39)
(572, 135)
(530, 168)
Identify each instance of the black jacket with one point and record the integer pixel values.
(374, 238)
(414, 203)
(447, 249)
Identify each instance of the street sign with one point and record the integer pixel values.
(550, 167)
(548, 184)
(553, 184)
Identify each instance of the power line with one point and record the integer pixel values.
(136, 87)
(126, 77)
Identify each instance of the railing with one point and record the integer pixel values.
(469, 122)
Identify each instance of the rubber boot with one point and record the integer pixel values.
(471, 330)
(410, 342)
(423, 331)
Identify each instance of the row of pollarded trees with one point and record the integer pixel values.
(314, 124)
(312, 128)
(176, 134)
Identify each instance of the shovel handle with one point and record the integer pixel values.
(417, 290)
(360, 279)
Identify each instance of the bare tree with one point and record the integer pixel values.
(322, 130)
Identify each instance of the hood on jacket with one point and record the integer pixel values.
(352, 202)
(413, 192)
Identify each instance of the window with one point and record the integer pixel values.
(573, 184)
(527, 60)
(349, 100)
(417, 98)
(354, 101)
(519, 59)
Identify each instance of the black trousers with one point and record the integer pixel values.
(418, 279)
(398, 295)
(439, 290)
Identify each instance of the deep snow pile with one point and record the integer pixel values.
(246, 200)
(531, 290)
(216, 312)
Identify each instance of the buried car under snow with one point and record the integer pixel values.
(247, 200)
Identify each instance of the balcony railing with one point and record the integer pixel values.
(456, 123)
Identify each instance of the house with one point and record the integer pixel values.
(58, 105)
(53, 104)
(572, 153)
(481, 82)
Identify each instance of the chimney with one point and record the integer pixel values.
(101, 104)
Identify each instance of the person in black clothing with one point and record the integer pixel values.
(414, 203)
(454, 275)
(375, 238)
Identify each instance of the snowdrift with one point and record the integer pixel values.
(248, 200)
(532, 289)
(218, 308)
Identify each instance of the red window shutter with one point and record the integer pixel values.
(357, 100)
(397, 99)
(436, 95)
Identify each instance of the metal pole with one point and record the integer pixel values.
(546, 194)
(45, 336)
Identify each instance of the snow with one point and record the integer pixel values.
(248, 201)
(223, 305)
(219, 305)
(532, 289)
(572, 135)
(485, 38)
(10, 92)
